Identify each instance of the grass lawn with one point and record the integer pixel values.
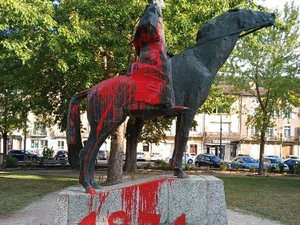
(276, 198)
(18, 190)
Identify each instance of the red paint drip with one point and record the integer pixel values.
(89, 220)
(102, 198)
(181, 220)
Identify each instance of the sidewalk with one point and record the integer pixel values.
(43, 213)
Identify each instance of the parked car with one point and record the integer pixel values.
(186, 158)
(274, 162)
(291, 157)
(140, 156)
(19, 155)
(292, 163)
(155, 156)
(245, 162)
(208, 160)
(102, 155)
(61, 155)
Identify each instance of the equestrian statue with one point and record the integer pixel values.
(158, 85)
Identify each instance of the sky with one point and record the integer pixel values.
(272, 4)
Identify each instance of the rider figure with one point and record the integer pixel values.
(152, 72)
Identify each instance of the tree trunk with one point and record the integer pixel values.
(261, 153)
(133, 130)
(115, 161)
(4, 136)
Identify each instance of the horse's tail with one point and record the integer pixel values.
(73, 130)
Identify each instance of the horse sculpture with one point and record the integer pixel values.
(193, 72)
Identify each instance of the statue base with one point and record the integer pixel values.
(153, 201)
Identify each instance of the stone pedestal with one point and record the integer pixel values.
(158, 200)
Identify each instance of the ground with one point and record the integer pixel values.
(43, 211)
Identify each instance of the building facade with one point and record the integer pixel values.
(226, 135)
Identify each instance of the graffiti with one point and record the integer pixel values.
(140, 205)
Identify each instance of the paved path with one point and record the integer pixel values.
(43, 212)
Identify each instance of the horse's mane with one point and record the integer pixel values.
(210, 28)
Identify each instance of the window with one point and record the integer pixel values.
(270, 132)
(145, 147)
(287, 114)
(287, 131)
(193, 149)
(44, 143)
(61, 144)
(39, 129)
(251, 130)
(34, 144)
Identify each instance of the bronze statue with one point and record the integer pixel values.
(193, 72)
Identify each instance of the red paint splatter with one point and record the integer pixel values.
(118, 218)
(148, 219)
(181, 220)
(89, 220)
(139, 205)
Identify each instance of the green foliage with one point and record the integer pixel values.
(220, 99)
(48, 153)
(266, 67)
(252, 170)
(223, 167)
(11, 162)
(51, 51)
(297, 169)
(163, 164)
(154, 130)
(277, 169)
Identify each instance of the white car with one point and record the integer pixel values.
(140, 156)
(187, 158)
(156, 156)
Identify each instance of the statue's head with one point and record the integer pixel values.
(235, 21)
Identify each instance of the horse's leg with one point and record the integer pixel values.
(183, 124)
(133, 130)
(102, 137)
(87, 154)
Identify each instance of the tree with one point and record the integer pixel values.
(266, 65)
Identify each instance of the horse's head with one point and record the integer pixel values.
(234, 21)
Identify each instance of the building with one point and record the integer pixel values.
(224, 134)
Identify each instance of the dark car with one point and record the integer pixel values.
(292, 163)
(102, 155)
(19, 155)
(208, 160)
(61, 155)
(275, 162)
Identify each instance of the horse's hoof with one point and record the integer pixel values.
(95, 185)
(91, 191)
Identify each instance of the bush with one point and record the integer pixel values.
(297, 169)
(269, 169)
(252, 169)
(223, 167)
(277, 169)
(236, 167)
(11, 162)
(48, 153)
